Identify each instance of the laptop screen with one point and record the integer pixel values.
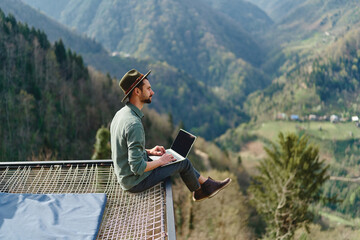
(183, 142)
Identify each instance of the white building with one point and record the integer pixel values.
(312, 117)
(334, 118)
(355, 118)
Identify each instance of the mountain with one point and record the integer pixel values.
(327, 85)
(51, 106)
(277, 9)
(334, 16)
(301, 19)
(53, 9)
(92, 52)
(306, 31)
(320, 73)
(187, 23)
(54, 30)
(193, 103)
(189, 35)
(245, 14)
(45, 108)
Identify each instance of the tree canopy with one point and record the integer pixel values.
(289, 181)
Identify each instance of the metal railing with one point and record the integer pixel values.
(80, 176)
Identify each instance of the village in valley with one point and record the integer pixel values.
(312, 117)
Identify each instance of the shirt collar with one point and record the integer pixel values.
(137, 111)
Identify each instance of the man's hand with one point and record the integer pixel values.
(156, 151)
(166, 158)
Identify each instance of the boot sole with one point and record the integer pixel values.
(213, 194)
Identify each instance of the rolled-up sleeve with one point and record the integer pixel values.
(135, 141)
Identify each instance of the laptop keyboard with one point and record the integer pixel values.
(175, 154)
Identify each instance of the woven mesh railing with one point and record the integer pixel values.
(126, 216)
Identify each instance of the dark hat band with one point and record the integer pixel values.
(135, 83)
(129, 79)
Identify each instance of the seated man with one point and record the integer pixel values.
(133, 170)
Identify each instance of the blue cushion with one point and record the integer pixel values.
(51, 216)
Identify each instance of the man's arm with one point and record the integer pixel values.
(166, 158)
(135, 146)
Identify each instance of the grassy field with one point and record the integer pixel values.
(332, 139)
(322, 134)
(339, 232)
(319, 130)
(339, 220)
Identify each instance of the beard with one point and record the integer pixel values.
(146, 99)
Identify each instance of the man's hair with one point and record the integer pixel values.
(140, 85)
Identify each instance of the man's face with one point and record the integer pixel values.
(146, 92)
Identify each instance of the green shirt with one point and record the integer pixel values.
(128, 146)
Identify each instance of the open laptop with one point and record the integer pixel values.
(181, 146)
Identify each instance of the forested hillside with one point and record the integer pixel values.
(217, 67)
(53, 29)
(247, 15)
(320, 78)
(51, 106)
(50, 103)
(278, 9)
(319, 72)
(314, 36)
(191, 36)
(339, 145)
(324, 86)
(208, 115)
(305, 30)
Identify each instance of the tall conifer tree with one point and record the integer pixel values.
(289, 181)
(102, 145)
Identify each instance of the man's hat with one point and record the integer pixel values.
(130, 80)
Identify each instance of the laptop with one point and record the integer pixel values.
(180, 148)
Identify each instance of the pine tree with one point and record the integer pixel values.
(102, 145)
(60, 51)
(289, 181)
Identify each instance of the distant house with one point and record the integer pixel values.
(344, 119)
(355, 119)
(334, 118)
(312, 117)
(281, 116)
(294, 117)
(323, 118)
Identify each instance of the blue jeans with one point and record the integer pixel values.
(187, 173)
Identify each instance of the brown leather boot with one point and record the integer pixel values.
(210, 188)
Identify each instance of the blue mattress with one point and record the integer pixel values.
(51, 216)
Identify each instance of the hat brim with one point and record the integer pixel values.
(136, 85)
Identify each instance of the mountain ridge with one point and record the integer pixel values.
(190, 36)
(210, 121)
(251, 18)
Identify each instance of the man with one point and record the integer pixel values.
(134, 170)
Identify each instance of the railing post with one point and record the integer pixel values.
(170, 219)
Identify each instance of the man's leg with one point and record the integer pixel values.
(187, 172)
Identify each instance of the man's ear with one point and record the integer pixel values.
(137, 91)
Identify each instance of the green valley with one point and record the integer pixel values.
(233, 72)
(339, 145)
